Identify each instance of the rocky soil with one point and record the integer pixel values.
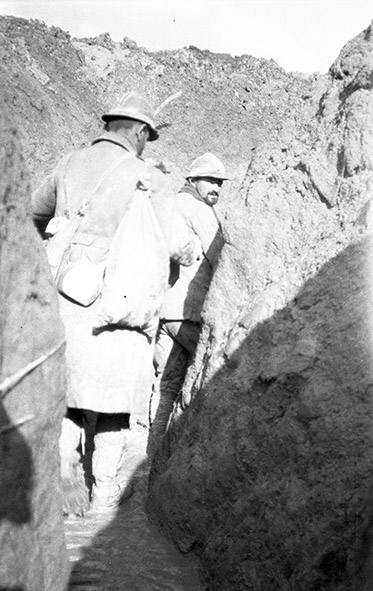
(56, 89)
(266, 469)
(32, 393)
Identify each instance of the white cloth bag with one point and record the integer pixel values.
(136, 275)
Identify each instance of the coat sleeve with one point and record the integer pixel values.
(44, 198)
(202, 219)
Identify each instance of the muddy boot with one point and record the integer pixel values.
(108, 490)
(75, 492)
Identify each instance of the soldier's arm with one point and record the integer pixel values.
(202, 222)
(44, 198)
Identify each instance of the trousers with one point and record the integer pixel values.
(175, 345)
(99, 440)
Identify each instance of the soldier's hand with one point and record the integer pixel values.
(191, 251)
(187, 256)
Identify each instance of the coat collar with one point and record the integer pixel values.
(115, 138)
(189, 188)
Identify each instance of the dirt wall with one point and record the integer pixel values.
(266, 475)
(32, 393)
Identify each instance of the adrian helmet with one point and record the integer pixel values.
(134, 106)
(207, 165)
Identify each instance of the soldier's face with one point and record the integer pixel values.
(209, 189)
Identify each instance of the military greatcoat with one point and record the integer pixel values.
(109, 371)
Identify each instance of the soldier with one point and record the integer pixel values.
(110, 370)
(180, 325)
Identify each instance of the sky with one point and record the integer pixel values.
(300, 35)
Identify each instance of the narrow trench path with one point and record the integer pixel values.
(121, 550)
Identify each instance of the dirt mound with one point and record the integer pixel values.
(58, 87)
(267, 474)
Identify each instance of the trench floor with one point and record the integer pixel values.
(121, 550)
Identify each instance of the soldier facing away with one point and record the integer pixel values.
(110, 370)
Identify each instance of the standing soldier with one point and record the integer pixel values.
(180, 325)
(110, 370)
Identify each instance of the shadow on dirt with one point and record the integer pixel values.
(16, 468)
(280, 468)
(271, 464)
(16, 482)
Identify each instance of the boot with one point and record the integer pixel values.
(109, 447)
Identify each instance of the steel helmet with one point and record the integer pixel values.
(133, 106)
(207, 165)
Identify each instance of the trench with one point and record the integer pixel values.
(121, 549)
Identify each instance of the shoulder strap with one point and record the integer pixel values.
(57, 246)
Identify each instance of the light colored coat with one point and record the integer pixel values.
(184, 300)
(110, 371)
